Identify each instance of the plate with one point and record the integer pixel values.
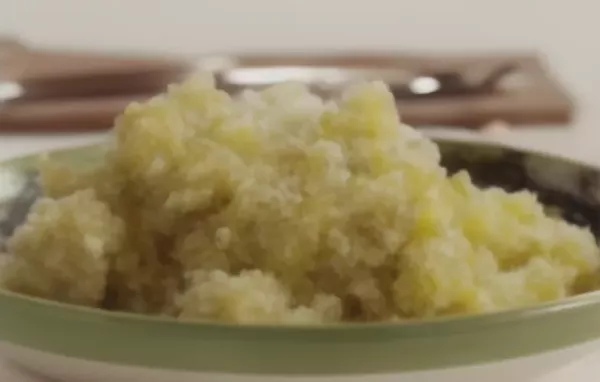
(64, 341)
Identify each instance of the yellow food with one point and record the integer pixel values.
(279, 207)
(63, 250)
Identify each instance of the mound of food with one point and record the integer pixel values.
(279, 207)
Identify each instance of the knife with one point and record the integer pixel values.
(404, 84)
(90, 85)
(91, 101)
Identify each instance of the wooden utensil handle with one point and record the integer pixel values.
(102, 84)
(13, 58)
(72, 115)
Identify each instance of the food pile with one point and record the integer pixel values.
(277, 207)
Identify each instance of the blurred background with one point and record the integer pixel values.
(563, 31)
(205, 26)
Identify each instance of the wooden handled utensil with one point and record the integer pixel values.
(52, 90)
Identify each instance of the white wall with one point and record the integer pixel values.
(203, 24)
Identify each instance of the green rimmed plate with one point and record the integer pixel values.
(43, 334)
